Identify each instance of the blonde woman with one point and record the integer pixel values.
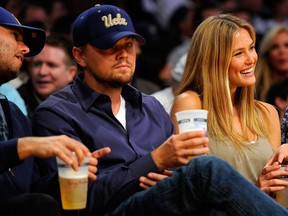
(273, 60)
(219, 77)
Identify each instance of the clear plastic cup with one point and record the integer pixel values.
(73, 185)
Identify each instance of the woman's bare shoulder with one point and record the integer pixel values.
(269, 108)
(191, 95)
(187, 100)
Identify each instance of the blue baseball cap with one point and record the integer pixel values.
(102, 26)
(34, 38)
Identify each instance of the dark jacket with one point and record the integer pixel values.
(15, 175)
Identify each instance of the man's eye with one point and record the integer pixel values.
(37, 64)
(16, 35)
(52, 65)
(274, 47)
(129, 45)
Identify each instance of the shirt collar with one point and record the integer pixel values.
(88, 96)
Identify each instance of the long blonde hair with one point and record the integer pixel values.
(264, 73)
(206, 73)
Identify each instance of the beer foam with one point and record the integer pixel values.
(73, 176)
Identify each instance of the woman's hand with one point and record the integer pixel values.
(269, 181)
(280, 155)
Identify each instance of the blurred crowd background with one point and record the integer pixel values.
(167, 26)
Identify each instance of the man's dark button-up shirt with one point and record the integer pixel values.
(86, 115)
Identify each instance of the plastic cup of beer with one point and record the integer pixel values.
(192, 120)
(73, 185)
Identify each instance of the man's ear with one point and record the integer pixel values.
(78, 56)
(72, 72)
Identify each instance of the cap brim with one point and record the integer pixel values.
(108, 41)
(34, 38)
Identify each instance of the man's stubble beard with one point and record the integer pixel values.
(113, 83)
(7, 72)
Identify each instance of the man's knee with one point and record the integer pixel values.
(205, 161)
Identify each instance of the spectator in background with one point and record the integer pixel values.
(166, 95)
(258, 12)
(178, 39)
(63, 25)
(241, 13)
(52, 69)
(161, 39)
(228, 5)
(15, 7)
(163, 10)
(185, 20)
(278, 14)
(35, 11)
(58, 9)
(273, 60)
(206, 9)
(144, 85)
(278, 96)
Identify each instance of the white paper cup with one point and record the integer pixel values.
(191, 120)
(73, 185)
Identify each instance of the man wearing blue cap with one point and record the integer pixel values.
(17, 147)
(101, 109)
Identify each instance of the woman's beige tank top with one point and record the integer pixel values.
(249, 162)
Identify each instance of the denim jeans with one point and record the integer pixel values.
(206, 186)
